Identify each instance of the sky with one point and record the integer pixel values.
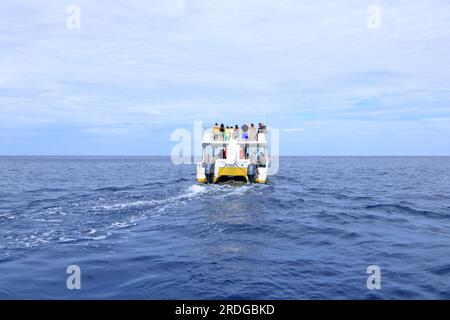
(326, 76)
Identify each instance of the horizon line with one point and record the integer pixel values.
(155, 155)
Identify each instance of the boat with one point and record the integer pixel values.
(236, 159)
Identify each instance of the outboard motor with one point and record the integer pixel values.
(251, 173)
(209, 172)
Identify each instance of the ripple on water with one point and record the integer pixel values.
(154, 233)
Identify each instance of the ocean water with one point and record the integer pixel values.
(140, 227)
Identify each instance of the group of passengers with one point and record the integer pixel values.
(226, 133)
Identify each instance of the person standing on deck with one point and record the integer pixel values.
(236, 132)
(221, 132)
(227, 133)
(262, 128)
(252, 134)
(244, 129)
(230, 132)
(216, 131)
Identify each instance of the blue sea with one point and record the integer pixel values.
(142, 228)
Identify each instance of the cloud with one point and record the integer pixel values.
(106, 131)
(293, 129)
(168, 63)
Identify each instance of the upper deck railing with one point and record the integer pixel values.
(211, 139)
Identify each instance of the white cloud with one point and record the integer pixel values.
(278, 61)
(293, 129)
(106, 131)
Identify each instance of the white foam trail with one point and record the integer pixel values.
(119, 225)
(158, 207)
(193, 191)
(99, 238)
(119, 206)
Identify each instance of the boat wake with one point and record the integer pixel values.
(97, 219)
